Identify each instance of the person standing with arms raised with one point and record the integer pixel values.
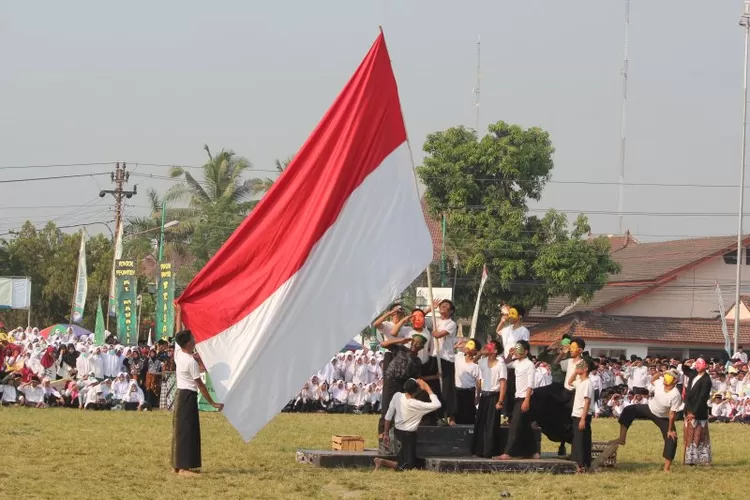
(186, 437)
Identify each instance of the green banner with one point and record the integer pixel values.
(165, 302)
(99, 328)
(202, 403)
(125, 294)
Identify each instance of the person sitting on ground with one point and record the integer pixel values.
(406, 411)
(33, 394)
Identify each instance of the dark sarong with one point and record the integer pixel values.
(487, 438)
(521, 442)
(448, 391)
(186, 431)
(551, 407)
(407, 449)
(466, 412)
(581, 453)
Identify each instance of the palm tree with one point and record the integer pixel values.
(141, 232)
(222, 183)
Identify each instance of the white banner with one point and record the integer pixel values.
(82, 284)
(722, 312)
(15, 293)
(474, 318)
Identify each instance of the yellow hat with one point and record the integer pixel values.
(471, 345)
(668, 379)
(513, 313)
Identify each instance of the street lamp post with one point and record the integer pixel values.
(745, 23)
(161, 234)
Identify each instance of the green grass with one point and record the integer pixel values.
(74, 454)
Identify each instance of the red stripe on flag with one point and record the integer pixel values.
(362, 127)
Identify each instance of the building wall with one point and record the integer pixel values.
(691, 295)
(744, 313)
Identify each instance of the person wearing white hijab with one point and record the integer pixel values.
(324, 397)
(339, 395)
(349, 367)
(354, 400)
(360, 375)
(134, 399)
(372, 370)
(120, 387)
(83, 366)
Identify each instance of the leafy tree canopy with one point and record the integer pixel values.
(483, 186)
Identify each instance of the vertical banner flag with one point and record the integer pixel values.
(99, 328)
(127, 330)
(165, 301)
(475, 317)
(313, 260)
(723, 313)
(82, 286)
(112, 305)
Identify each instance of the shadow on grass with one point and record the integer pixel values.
(237, 471)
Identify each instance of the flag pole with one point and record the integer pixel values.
(429, 274)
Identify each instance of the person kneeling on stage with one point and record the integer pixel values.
(406, 412)
(661, 410)
(521, 442)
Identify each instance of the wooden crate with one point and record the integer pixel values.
(347, 443)
(597, 447)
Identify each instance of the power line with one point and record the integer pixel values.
(52, 177)
(57, 165)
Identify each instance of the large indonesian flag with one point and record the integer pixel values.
(339, 235)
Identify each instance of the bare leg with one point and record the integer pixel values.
(388, 464)
(623, 434)
(667, 466)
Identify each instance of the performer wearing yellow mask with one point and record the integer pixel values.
(661, 410)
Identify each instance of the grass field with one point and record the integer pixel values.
(73, 454)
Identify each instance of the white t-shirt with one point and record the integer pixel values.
(445, 346)
(386, 330)
(640, 377)
(525, 371)
(584, 389)
(491, 376)
(510, 337)
(742, 356)
(467, 374)
(664, 402)
(34, 394)
(186, 370)
(569, 365)
(408, 412)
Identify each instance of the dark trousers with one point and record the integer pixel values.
(406, 442)
(581, 453)
(510, 393)
(449, 388)
(521, 442)
(487, 437)
(466, 412)
(643, 412)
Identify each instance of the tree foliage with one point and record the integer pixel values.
(484, 187)
(50, 258)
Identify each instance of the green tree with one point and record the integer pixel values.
(50, 258)
(484, 186)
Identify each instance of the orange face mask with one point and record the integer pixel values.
(417, 320)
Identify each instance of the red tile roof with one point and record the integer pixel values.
(618, 241)
(436, 231)
(629, 329)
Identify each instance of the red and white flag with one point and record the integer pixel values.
(339, 235)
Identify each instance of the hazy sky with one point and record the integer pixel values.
(151, 82)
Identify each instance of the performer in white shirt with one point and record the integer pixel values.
(521, 442)
(511, 330)
(661, 410)
(467, 376)
(444, 342)
(406, 412)
(186, 439)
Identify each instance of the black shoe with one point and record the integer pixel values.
(561, 451)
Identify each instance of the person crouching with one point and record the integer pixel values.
(406, 412)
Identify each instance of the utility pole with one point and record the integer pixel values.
(120, 177)
(623, 124)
